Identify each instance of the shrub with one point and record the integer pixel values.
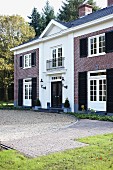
(38, 103)
(67, 104)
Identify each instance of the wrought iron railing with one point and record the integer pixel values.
(55, 63)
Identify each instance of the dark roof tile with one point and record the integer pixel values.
(90, 17)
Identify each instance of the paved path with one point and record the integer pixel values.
(36, 134)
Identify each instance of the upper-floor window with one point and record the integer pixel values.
(57, 57)
(96, 45)
(27, 61)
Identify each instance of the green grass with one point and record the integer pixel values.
(6, 104)
(97, 156)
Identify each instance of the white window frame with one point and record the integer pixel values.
(29, 60)
(57, 57)
(56, 48)
(98, 103)
(89, 45)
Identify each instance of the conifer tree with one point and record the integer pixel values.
(69, 9)
(35, 21)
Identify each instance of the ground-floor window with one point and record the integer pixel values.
(97, 90)
(27, 92)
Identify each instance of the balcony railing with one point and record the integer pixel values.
(55, 63)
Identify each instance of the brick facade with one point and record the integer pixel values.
(20, 73)
(110, 2)
(101, 62)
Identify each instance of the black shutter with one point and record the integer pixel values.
(109, 42)
(83, 47)
(34, 91)
(33, 59)
(21, 61)
(82, 90)
(110, 90)
(20, 92)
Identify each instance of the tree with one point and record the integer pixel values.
(13, 31)
(35, 21)
(69, 9)
(48, 13)
(40, 21)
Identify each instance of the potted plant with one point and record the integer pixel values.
(37, 104)
(67, 106)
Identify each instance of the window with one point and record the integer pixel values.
(93, 89)
(27, 61)
(102, 90)
(54, 58)
(57, 57)
(96, 45)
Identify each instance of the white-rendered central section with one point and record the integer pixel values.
(67, 71)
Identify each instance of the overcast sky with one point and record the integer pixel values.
(24, 7)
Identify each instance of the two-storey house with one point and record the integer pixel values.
(71, 60)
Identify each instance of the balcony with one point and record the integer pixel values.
(55, 63)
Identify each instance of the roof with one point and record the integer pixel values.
(32, 39)
(90, 17)
(85, 19)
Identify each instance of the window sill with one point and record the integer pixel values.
(26, 67)
(96, 55)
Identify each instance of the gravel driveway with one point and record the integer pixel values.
(36, 134)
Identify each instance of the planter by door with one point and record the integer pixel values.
(56, 94)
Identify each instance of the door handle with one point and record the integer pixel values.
(56, 96)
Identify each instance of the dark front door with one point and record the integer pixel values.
(56, 94)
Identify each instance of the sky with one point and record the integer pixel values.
(24, 7)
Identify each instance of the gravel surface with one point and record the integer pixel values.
(36, 134)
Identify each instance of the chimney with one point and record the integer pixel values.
(85, 9)
(110, 2)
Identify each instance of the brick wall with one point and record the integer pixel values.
(89, 64)
(110, 2)
(20, 73)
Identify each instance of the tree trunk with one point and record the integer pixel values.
(5, 93)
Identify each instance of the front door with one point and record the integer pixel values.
(56, 94)
(27, 91)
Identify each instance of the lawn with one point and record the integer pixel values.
(97, 156)
(6, 104)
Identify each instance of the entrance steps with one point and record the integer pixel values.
(50, 110)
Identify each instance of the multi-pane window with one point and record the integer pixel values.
(54, 58)
(97, 45)
(28, 91)
(102, 90)
(93, 46)
(27, 61)
(57, 57)
(93, 90)
(102, 44)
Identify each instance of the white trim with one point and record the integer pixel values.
(96, 105)
(52, 22)
(62, 33)
(29, 58)
(97, 42)
(27, 102)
